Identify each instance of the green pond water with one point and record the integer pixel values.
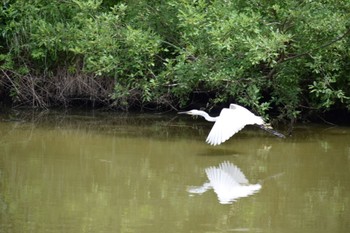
(109, 172)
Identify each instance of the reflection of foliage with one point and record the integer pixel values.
(95, 173)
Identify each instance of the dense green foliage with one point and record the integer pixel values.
(287, 57)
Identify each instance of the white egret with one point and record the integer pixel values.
(228, 182)
(230, 121)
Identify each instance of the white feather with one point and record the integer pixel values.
(228, 182)
(234, 172)
(230, 121)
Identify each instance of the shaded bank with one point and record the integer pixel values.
(62, 89)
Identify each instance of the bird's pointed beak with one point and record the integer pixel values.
(187, 112)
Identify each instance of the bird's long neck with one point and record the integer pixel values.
(208, 118)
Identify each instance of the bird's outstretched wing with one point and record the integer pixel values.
(228, 182)
(224, 186)
(226, 125)
(220, 180)
(230, 121)
(234, 172)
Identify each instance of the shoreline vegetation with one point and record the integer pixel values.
(287, 61)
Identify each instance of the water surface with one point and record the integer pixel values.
(99, 172)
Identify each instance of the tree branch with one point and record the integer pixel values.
(321, 47)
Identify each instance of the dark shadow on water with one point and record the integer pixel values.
(218, 152)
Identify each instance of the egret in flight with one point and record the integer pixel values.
(230, 121)
(228, 182)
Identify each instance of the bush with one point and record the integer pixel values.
(284, 57)
(44, 37)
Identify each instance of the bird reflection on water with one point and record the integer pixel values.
(228, 182)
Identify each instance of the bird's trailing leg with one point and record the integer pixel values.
(269, 129)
